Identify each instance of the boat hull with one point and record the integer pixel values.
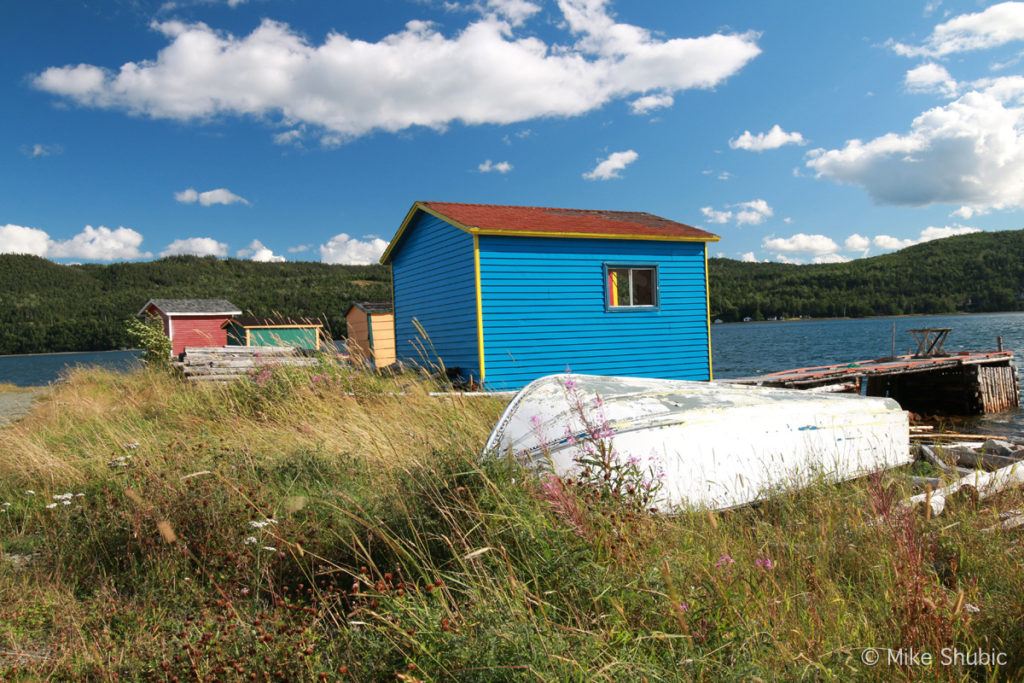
(711, 445)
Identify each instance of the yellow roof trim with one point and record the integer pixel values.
(592, 235)
(421, 206)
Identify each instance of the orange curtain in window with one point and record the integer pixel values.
(613, 288)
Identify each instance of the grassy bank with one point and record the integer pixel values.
(324, 526)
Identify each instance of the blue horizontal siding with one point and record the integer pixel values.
(434, 283)
(544, 310)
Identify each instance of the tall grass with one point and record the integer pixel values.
(337, 525)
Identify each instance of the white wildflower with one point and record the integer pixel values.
(270, 548)
(131, 445)
(250, 540)
(79, 495)
(50, 506)
(29, 492)
(261, 523)
(971, 609)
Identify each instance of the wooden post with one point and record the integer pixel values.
(999, 343)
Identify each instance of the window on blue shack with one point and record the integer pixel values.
(631, 287)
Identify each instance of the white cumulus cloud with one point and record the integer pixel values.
(715, 216)
(101, 244)
(648, 103)
(754, 212)
(748, 257)
(994, 26)
(889, 243)
(18, 239)
(489, 72)
(494, 167)
(91, 244)
(968, 152)
(221, 195)
(773, 139)
(196, 246)
(857, 242)
(257, 251)
(612, 165)
(299, 248)
(801, 243)
(930, 78)
(351, 251)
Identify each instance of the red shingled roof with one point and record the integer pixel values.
(537, 219)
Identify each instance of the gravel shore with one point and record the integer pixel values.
(14, 404)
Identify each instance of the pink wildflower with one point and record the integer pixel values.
(765, 563)
(724, 561)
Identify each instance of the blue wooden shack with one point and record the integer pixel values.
(502, 295)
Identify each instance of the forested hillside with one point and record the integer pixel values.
(45, 306)
(975, 273)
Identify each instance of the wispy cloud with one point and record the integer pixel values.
(494, 167)
(612, 166)
(221, 195)
(41, 150)
(775, 137)
(992, 27)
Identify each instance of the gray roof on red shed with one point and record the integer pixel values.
(193, 306)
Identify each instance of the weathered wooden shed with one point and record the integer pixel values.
(371, 332)
(192, 322)
(253, 331)
(502, 295)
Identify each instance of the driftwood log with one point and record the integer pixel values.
(975, 487)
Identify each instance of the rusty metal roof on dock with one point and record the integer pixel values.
(824, 374)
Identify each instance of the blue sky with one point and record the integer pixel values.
(289, 129)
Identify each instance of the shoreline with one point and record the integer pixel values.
(62, 353)
(15, 405)
(868, 317)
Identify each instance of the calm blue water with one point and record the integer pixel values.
(39, 369)
(740, 349)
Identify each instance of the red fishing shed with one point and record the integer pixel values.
(192, 322)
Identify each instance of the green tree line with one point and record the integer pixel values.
(968, 273)
(45, 306)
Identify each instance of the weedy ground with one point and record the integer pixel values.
(335, 525)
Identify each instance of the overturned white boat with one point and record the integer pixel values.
(714, 445)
